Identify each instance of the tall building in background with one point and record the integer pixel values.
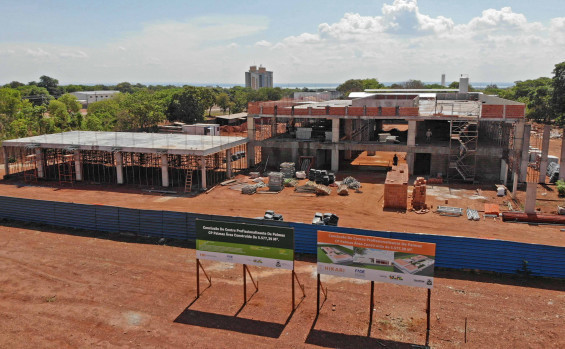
(257, 78)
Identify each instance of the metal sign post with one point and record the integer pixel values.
(428, 317)
(256, 284)
(294, 276)
(198, 267)
(325, 292)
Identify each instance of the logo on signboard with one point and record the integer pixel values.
(259, 261)
(229, 256)
(429, 282)
(335, 269)
(392, 277)
(360, 273)
(419, 280)
(278, 265)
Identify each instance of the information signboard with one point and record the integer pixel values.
(252, 244)
(371, 258)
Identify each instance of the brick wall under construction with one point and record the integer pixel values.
(396, 188)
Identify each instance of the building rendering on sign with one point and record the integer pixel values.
(257, 78)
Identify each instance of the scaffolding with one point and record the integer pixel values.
(66, 169)
(463, 141)
(30, 168)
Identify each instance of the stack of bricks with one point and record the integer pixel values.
(419, 194)
(396, 188)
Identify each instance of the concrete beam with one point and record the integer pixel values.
(6, 162)
(410, 162)
(525, 158)
(78, 165)
(518, 142)
(273, 127)
(250, 147)
(228, 163)
(544, 152)
(39, 163)
(203, 171)
(119, 167)
(165, 170)
(503, 171)
(531, 191)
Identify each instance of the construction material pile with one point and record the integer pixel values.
(396, 188)
(553, 172)
(351, 183)
(342, 189)
(322, 189)
(419, 194)
(321, 177)
(300, 174)
(253, 175)
(308, 187)
(325, 219)
(272, 216)
(473, 215)
(252, 188)
(288, 169)
(290, 182)
(275, 181)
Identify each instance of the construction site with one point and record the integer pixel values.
(460, 168)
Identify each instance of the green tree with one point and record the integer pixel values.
(371, 84)
(208, 99)
(10, 102)
(51, 84)
(139, 110)
(558, 95)
(413, 84)
(223, 101)
(352, 85)
(35, 94)
(186, 106)
(73, 106)
(58, 112)
(124, 87)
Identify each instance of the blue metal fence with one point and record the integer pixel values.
(451, 251)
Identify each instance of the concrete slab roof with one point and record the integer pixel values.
(232, 116)
(137, 142)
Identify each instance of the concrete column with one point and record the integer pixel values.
(119, 167)
(530, 206)
(525, 159)
(503, 171)
(294, 155)
(274, 127)
(78, 166)
(514, 184)
(228, 163)
(411, 133)
(348, 127)
(544, 151)
(410, 162)
(250, 147)
(335, 158)
(6, 162)
(562, 159)
(203, 171)
(335, 130)
(165, 170)
(40, 164)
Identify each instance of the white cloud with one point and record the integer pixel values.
(263, 43)
(398, 44)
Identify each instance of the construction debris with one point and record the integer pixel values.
(272, 216)
(419, 194)
(308, 187)
(492, 209)
(290, 182)
(352, 183)
(288, 169)
(300, 175)
(228, 182)
(342, 189)
(253, 175)
(249, 189)
(322, 189)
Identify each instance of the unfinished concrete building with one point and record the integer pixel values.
(176, 161)
(455, 134)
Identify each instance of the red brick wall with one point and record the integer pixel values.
(355, 111)
(409, 111)
(337, 111)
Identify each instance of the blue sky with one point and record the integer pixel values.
(301, 41)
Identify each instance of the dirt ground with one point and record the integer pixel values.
(64, 289)
(359, 210)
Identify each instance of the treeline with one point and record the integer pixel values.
(47, 107)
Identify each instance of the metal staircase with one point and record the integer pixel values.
(464, 136)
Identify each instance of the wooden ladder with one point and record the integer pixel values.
(188, 182)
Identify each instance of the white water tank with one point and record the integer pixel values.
(464, 83)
